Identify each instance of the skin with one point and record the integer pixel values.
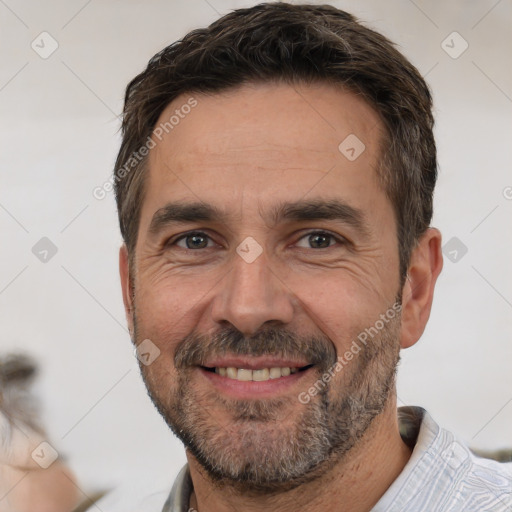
(25, 486)
(246, 151)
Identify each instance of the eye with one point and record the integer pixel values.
(318, 240)
(194, 240)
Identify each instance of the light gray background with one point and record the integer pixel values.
(59, 140)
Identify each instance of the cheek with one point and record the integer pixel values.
(168, 307)
(339, 305)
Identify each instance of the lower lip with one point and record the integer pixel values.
(254, 389)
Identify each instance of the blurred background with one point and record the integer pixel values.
(64, 67)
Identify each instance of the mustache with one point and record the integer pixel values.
(197, 349)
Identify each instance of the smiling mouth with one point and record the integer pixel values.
(257, 375)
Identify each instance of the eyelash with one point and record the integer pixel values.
(173, 242)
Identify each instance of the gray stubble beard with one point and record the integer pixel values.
(255, 450)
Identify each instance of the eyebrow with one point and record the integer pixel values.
(334, 209)
(182, 213)
(303, 210)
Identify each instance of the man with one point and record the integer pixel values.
(274, 189)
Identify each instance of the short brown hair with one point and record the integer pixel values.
(292, 44)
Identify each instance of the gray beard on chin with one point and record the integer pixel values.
(270, 445)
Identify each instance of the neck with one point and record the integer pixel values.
(355, 483)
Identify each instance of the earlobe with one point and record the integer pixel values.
(425, 265)
(124, 272)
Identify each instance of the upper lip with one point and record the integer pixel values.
(255, 363)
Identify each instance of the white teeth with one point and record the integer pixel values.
(244, 374)
(275, 373)
(260, 375)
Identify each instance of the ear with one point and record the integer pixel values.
(425, 265)
(124, 272)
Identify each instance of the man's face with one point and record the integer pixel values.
(263, 252)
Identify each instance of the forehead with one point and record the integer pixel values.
(262, 140)
(307, 117)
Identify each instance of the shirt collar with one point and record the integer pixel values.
(179, 498)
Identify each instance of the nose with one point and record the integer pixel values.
(252, 295)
